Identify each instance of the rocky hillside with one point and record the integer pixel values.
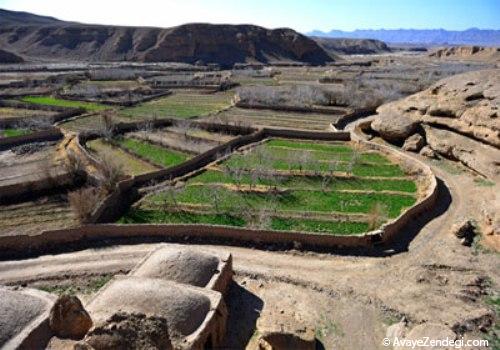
(9, 57)
(190, 43)
(344, 46)
(458, 117)
(480, 53)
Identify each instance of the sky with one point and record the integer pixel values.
(301, 15)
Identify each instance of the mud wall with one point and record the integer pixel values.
(11, 246)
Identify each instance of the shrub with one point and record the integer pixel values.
(83, 202)
(377, 215)
(110, 174)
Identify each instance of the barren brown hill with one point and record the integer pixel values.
(9, 57)
(190, 43)
(352, 46)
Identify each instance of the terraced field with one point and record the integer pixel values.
(158, 155)
(190, 140)
(52, 101)
(325, 187)
(44, 214)
(300, 75)
(129, 164)
(183, 104)
(89, 122)
(8, 113)
(277, 119)
(13, 132)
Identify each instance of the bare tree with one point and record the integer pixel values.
(353, 161)
(107, 126)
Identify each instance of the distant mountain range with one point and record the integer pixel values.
(473, 36)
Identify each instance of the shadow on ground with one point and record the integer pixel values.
(244, 309)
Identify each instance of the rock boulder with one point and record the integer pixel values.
(414, 143)
(393, 127)
(68, 318)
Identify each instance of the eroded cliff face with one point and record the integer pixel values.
(222, 44)
(459, 117)
(466, 103)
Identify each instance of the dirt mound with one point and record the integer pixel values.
(352, 46)
(22, 313)
(468, 52)
(130, 331)
(182, 266)
(190, 43)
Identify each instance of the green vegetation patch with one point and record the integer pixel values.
(156, 154)
(294, 200)
(357, 168)
(254, 189)
(303, 182)
(52, 101)
(90, 286)
(141, 216)
(14, 132)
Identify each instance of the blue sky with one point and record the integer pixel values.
(302, 15)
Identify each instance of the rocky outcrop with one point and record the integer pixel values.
(68, 318)
(352, 46)
(414, 143)
(190, 43)
(428, 330)
(9, 57)
(394, 127)
(477, 156)
(466, 103)
(468, 52)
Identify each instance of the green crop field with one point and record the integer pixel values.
(52, 101)
(270, 187)
(182, 105)
(14, 132)
(156, 154)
